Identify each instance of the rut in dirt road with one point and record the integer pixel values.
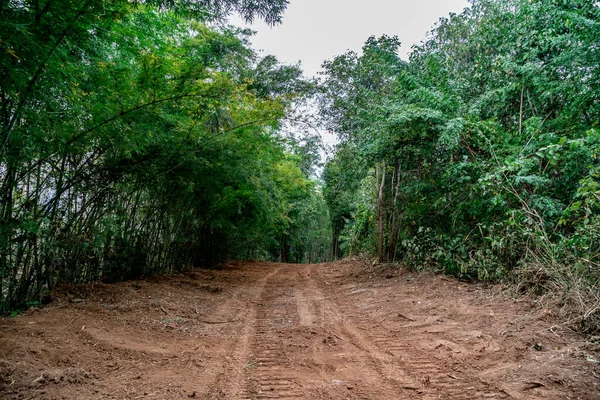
(373, 365)
(276, 331)
(313, 340)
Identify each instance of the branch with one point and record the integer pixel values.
(33, 81)
(124, 113)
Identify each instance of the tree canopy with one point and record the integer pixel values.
(479, 155)
(141, 138)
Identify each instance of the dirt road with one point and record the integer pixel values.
(262, 331)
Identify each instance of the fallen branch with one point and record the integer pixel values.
(533, 385)
(405, 317)
(218, 322)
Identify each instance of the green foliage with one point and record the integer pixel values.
(488, 140)
(136, 140)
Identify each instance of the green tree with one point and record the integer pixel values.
(479, 155)
(138, 139)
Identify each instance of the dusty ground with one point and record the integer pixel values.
(257, 330)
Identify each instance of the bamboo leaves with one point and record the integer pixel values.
(133, 143)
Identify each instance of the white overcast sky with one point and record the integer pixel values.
(317, 30)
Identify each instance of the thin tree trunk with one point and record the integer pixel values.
(521, 109)
(6, 215)
(393, 237)
(379, 187)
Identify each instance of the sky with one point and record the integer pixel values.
(313, 31)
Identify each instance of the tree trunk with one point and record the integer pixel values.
(379, 187)
(284, 255)
(393, 238)
(6, 215)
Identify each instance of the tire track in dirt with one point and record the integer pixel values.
(292, 303)
(269, 370)
(424, 375)
(380, 376)
(228, 384)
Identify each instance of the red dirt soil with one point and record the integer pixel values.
(255, 330)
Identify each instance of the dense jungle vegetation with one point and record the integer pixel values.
(142, 137)
(480, 155)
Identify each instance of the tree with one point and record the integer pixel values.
(138, 140)
(489, 135)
